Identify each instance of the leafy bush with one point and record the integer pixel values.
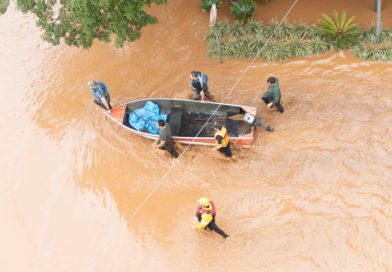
(290, 40)
(242, 10)
(373, 52)
(338, 29)
(206, 4)
(3, 6)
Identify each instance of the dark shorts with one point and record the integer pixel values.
(99, 103)
(171, 149)
(226, 150)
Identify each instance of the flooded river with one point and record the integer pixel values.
(315, 195)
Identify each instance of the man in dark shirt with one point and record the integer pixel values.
(165, 141)
(101, 94)
(199, 84)
(272, 96)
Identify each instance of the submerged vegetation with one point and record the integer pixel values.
(370, 50)
(289, 40)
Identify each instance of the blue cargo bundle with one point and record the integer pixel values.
(145, 119)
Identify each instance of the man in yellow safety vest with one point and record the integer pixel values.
(222, 140)
(205, 214)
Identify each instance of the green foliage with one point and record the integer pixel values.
(79, 22)
(3, 6)
(338, 29)
(290, 40)
(368, 49)
(206, 4)
(373, 52)
(242, 10)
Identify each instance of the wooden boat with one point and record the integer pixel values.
(187, 118)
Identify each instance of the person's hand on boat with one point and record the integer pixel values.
(202, 101)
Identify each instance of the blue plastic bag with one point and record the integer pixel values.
(145, 119)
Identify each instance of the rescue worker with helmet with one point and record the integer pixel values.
(222, 140)
(205, 214)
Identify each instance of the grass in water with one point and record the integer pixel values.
(244, 41)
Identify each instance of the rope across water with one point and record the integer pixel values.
(214, 112)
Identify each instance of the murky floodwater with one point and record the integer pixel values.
(315, 195)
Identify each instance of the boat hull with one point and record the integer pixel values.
(118, 115)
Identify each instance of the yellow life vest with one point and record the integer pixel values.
(225, 137)
(206, 218)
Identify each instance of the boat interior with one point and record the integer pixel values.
(187, 118)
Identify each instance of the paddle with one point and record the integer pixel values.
(255, 122)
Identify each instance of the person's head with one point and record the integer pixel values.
(161, 123)
(217, 126)
(271, 80)
(92, 84)
(204, 202)
(194, 74)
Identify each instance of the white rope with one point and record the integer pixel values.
(220, 104)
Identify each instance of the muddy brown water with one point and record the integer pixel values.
(315, 195)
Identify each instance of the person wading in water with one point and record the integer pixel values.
(205, 214)
(199, 84)
(101, 94)
(222, 141)
(272, 96)
(165, 140)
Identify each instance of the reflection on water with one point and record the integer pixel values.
(315, 195)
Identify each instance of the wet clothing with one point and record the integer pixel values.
(213, 227)
(222, 138)
(100, 91)
(226, 151)
(273, 95)
(200, 84)
(166, 135)
(201, 209)
(99, 103)
(206, 220)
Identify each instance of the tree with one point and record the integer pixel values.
(79, 22)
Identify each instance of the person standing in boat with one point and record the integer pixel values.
(165, 141)
(101, 94)
(199, 84)
(205, 215)
(222, 141)
(272, 96)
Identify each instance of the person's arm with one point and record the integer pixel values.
(202, 95)
(219, 144)
(203, 88)
(276, 95)
(191, 86)
(106, 104)
(161, 143)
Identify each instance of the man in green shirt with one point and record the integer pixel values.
(165, 140)
(272, 96)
